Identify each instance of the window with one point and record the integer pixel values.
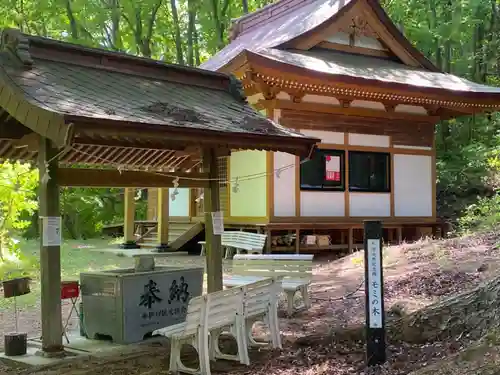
(325, 171)
(369, 171)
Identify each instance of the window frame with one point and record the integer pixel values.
(332, 188)
(388, 156)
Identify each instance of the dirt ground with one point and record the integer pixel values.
(416, 275)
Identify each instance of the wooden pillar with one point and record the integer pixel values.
(50, 256)
(212, 204)
(297, 241)
(399, 234)
(153, 212)
(269, 241)
(129, 220)
(350, 239)
(163, 218)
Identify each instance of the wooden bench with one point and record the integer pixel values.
(208, 314)
(232, 310)
(252, 243)
(294, 271)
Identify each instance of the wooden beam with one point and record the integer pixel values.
(50, 256)
(129, 220)
(212, 204)
(80, 177)
(163, 218)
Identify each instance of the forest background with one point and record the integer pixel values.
(460, 36)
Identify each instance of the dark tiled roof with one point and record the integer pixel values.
(372, 68)
(72, 80)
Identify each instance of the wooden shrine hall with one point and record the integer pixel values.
(341, 71)
(90, 117)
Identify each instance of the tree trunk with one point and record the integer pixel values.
(472, 312)
(191, 32)
(177, 30)
(245, 6)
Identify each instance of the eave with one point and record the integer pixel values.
(276, 74)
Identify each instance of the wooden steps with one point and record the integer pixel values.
(179, 233)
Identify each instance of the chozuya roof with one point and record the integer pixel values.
(267, 36)
(47, 84)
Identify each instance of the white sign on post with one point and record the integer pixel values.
(218, 222)
(374, 284)
(51, 231)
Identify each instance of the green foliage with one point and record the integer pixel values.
(17, 198)
(485, 214)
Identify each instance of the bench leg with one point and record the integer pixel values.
(289, 296)
(175, 355)
(203, 354)
(305, 296)
(274, 326)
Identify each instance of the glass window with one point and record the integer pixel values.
(325, 171)
(369, 171)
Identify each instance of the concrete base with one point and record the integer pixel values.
(121, 252)
(78, 347)
(129, 246)
(164, 248)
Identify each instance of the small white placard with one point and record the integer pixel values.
(51, 231)
(218, 222)
(374, 284)
(310, 240)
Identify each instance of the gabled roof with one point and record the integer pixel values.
(46, 85)
(278, 24)
(283, 42)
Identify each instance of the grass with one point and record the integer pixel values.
(76, 257)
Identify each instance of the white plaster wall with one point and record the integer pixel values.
(179, 207)
(284, 186)
(362, 41)
(413, 185)
(405, 108)
(320, 99)
(369, 140)
(322, 203)
(367, 104)
(370, 204)
(325, 136)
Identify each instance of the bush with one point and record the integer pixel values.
(485, 214)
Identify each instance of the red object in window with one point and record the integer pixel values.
(332, 168)
(332, 176)
(70, 289)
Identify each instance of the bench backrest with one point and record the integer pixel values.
(196, 313)
(229, 236)
(248, 239)
(292, 267)
(259, 296)
(224, 307)
(253, 240)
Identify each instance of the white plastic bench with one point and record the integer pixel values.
(232, 310)
(252, 243)
(205, 316)
(294, 271)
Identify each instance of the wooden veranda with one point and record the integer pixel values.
(89, 117)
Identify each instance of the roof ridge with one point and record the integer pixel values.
(123, 55)
(24, 47)
(248, 21)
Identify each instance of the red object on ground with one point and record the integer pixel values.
(70, 289)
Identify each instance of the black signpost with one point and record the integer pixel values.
(374, 293)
